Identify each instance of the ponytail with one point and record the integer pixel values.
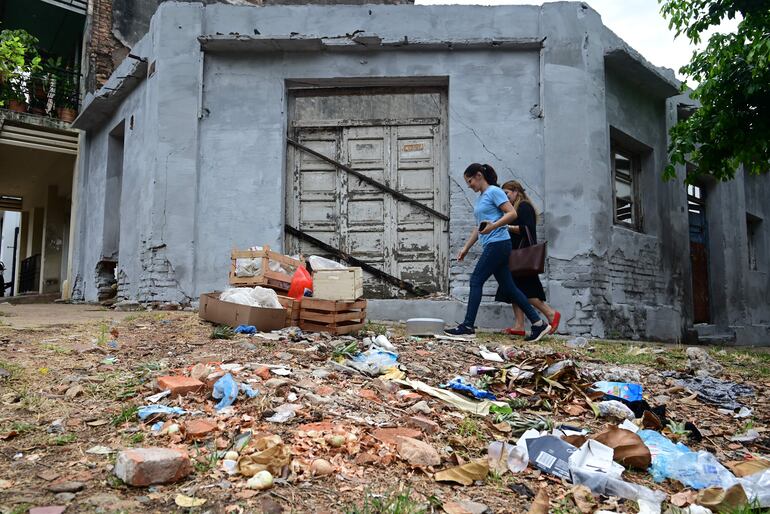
(485, 169)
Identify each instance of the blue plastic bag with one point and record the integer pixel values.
(630, 392)
(245, 329)
(377, 357)
(459, 384)
(697, 470)
(248, 391)
(151, 410)
(226, 391)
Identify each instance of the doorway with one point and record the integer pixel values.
(699, 258)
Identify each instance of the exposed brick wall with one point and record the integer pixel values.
(104, 51)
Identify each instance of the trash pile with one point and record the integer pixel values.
(267, 425)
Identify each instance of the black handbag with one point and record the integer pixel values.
(529, 260)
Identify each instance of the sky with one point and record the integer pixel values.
(638, 22)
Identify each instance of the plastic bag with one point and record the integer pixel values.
(317, 263)
(630, 392)
(607, 485)
(151, 410)
(615, 409)
(697, 470)
(300, 282)
(459, 384)
(245, 329)
(251, 296)
(226, 391)
(757, 487)
(376, 359)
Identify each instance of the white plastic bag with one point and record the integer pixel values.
(317, 263)
(253, 297)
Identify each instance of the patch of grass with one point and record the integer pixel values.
(222, 332)
(203, 462)
(136, 438)
(393, 502)
(126, 415)
(470, 428)
(377, 328)
(101, 339)
(19, 426)
(755, 364)
(61, 440)
(344, 350)
(565, 506)
(56, 348)
(20, 508)
(15, 370)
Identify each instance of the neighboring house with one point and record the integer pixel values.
(190, 149)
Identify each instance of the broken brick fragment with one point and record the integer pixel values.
(179, 385)
(199, 429)
(426, 425)
(141, 467)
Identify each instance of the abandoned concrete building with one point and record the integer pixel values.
(202, 140)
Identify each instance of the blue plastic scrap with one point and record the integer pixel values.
(460, 384)
(248, 391)
(377, 357)
(245, 329)
(697, 470)
(629, 392)
(151, 410)
(226, 391)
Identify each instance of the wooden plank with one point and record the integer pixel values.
(331, 305)
(339, 330)
(331, 318)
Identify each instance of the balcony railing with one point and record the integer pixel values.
(54, 92)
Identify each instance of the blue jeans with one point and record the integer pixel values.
(494, 261)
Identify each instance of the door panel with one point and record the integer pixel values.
(362, 220)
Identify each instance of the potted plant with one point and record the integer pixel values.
(19, 58)
(66, 97)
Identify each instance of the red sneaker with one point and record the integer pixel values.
(555, 322)
(513, 332)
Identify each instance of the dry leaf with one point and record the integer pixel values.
(188, 501)
(721, 500)
(584, 499)
(748, 467)
(540, 505)
(683, 498)
(503, 426)
(651, 421)
(273, 458)
(630, 451)
(576, 440)
(573, 410)
(465, 474)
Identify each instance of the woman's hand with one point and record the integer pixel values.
(488, 227)
(462, 254)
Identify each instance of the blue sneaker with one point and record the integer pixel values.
(538, 332)
(461, 330)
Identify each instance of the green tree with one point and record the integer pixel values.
(732, 126)
(18, 56)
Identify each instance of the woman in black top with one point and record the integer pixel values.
(531, 285)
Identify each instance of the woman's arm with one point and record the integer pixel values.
(508, 217)
(468, 244)
(514, 229)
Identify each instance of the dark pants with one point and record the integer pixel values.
(494, 261)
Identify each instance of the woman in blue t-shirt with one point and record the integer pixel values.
(493, 214)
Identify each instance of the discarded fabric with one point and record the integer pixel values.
(722, 393)
(460, 384)
(226, 391)
(630, 392)
(151, 410)
(245, 329)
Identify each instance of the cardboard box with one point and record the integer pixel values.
(338, 284)
(227, 313)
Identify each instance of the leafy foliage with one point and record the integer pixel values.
(732, 126)
(18, 57)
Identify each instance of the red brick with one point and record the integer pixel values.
(146, 466)
(426, 425)
(198, 429)
(179, 384)
(391, 435)
(369, 395)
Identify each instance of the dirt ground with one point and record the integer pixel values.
(72, 377)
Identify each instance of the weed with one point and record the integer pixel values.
(21, 508)
(61, 440)
(377, 328)
(203, 462)
(114, 482)
(565, 506)
(20, 427)
(342, 350)
(222, 332)
(136, 438)
(15, 371)
(470, 428)
(127, 414)
(101, 340)
(56, 349)
(392, 502)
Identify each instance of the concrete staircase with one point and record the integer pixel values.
(714, 335)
